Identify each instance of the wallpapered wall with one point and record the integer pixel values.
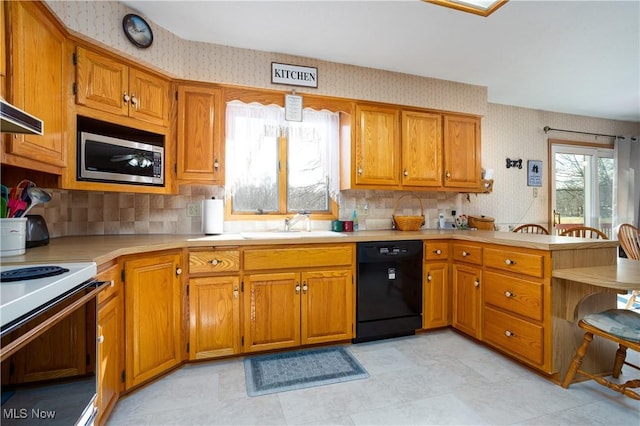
(507, 131)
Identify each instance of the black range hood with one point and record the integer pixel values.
(14, 120)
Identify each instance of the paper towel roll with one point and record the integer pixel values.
(212, 216)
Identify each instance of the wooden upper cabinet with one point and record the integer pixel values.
(421, 149)
(377, 146)
(36, 69)
(200, 115)
(112, 86)
(462, 162)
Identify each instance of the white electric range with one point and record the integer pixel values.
(20, 297)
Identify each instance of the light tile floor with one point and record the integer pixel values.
(433, 378)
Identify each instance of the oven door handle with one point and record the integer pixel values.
(9, 349)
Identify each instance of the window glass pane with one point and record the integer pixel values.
(571, 187)
(308, 179)
(605, 188)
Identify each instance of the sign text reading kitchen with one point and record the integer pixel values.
(294, 75)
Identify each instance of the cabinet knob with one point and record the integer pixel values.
(100, 339)
(125, 97)
(216, 165)
(134, 101)
(304, 287)
(447, 174)
(509, 333)
(178, 271)
(406, 173)
(476, 283)
(438, 251)
(297, 288)
(235, 292)
(465, 254)
(429, 276)
(359, 171)
(214, 262)
(510, 262)
(509, 294)
(112, 283)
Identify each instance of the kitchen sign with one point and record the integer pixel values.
(294, 75)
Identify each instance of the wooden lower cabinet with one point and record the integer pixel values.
(110, 351)
(297, 308)
(467, 299)
(153, 301)
(435, 293)
(214, 317)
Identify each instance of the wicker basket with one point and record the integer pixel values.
(408, 223)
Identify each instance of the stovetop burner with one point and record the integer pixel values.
(31, 273)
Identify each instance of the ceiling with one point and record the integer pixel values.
(576, 57)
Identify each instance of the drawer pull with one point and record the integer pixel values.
(509, 333)
(112, 283)
(438, 251)
(465, 254)
(429, 277)
(509, 294)
(510, 262)
(214, 262)
(476, 283)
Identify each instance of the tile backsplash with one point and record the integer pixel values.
(109, 213)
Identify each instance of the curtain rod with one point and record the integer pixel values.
(549, 129)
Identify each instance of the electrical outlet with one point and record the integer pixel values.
(363, 210)
(194, 210)
(535, 192)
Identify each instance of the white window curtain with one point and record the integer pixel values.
(249, 126)
(626, 183)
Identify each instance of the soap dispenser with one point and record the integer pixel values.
(354, 218)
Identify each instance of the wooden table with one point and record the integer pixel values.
(579, 291)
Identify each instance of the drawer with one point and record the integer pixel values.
(436, 250)
(279, 258)
(517, 336)
(513, 294)
(467, 253)
(214, 261)
(514, 261)
(111, 274)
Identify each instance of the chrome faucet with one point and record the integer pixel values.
(305, 215)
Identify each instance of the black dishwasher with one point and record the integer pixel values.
(389, 289)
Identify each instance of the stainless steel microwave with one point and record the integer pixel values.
(108, 159)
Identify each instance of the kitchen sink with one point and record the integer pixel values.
(266, 235)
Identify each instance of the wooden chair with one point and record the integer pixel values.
(531, 228)
(584, 232)
(629, 238)
(621, 326)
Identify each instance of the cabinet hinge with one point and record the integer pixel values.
(74, 58)
(242, 341)
(74, 88)
(175, 168)
(187, 347)
(123, 376)
(176, 95)
(122, 275)
(242, 288)
(187, 296)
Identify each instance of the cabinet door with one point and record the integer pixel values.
(435, 312)
(153, 316)
(101, 82)
(462, 162)
(421, 149)
(149, 97)
(377, 146)
(327, 306)
(110, 348)
(466, 299)
(37, 70)
(199, 144)
(214, 317)
(271, 311)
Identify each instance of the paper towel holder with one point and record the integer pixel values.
(212, 216)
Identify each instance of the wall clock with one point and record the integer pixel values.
(137, 30)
